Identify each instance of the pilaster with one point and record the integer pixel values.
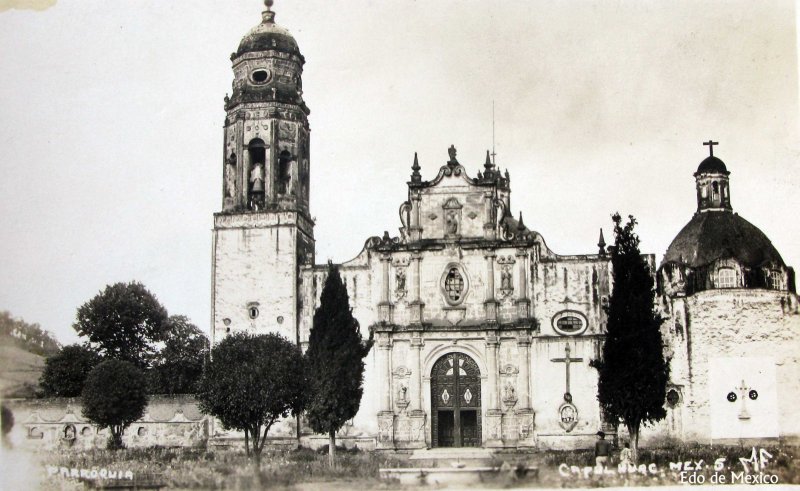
(416, 305)
(523, 303)
(490, 304)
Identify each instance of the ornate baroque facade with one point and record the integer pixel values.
(484, 335)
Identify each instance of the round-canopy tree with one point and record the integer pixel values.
(65, 372)
(124, 321)
(114, 396)
(250, 382)
(177, 367)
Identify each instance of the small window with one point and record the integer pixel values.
(673, 397)
(86, 431)
(569, 323)
(260, 76)
(726, 278)
(35, 433)
(775, 278)
(142, 431)
(252, 311)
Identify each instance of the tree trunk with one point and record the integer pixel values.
(332, 449)
(246, 443)
(634, 431)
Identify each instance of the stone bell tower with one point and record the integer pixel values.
(264, 232)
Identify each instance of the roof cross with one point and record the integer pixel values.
(710, 145)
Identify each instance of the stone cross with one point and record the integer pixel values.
(566, 360)
(743, 392)
(710, 144)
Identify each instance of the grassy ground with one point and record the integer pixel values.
(306, 469)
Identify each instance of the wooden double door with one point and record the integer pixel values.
(456, 401)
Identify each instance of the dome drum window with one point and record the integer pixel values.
(569, 323)
(252, 310)
(726, 278)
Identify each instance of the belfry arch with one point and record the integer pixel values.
(455, 382)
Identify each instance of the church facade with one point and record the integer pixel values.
(483, 334)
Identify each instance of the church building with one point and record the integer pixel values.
(483, 334)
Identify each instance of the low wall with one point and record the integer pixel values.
(57, 423)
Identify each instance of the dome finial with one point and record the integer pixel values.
(710, 145)
(268, 16)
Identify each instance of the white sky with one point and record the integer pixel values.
(112, 112)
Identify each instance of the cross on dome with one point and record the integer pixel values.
(710, 145)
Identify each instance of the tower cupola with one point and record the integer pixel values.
(713, 188)
(266, 162)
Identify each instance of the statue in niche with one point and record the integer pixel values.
(451, 222)
(400, 283)
(506, 286)
(257, 178)
(230, 177)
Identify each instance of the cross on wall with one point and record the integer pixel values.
(567, 360)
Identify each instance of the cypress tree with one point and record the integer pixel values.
(335, 362)
(633, 372)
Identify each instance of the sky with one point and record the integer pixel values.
(112, 113)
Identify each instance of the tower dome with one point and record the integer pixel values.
(268, 36)
(718, 248)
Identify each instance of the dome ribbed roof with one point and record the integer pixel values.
(721, 235)
(268, 36)
(712, 164)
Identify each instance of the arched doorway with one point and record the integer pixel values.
(456, 401)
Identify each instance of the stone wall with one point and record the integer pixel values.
(722, 338)
(57, 423)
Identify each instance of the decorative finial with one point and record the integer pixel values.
(488, 164)
(268, 16)
(415, 176)
(710, 145)
(452, 153)
(601, 244)
(520, 224)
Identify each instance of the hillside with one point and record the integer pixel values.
(19, 371)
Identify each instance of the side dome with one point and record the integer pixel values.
(268, 36)
(721, 235)
(712, 165)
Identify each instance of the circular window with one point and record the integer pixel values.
(260, 76)
(753, 395)
(454, 285)
(732, 397)
(569, 323)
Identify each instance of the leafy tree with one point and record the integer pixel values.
(177, 367)
(335, 357)
(114, 396)
(124, 321)
(632, 371)
(250, 382)
(30, 337)
(7, 422)
(65, 372)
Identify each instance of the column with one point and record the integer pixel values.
(492, 345)
(385, 306)
(493, 436)
(245, 176)
(524, 345)
(489, 229)
(416, 304)
(385, 415)
(523, 303)
(489, 303)
(415, 231)
(384, 349)
(524, 413)
(415, 382)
